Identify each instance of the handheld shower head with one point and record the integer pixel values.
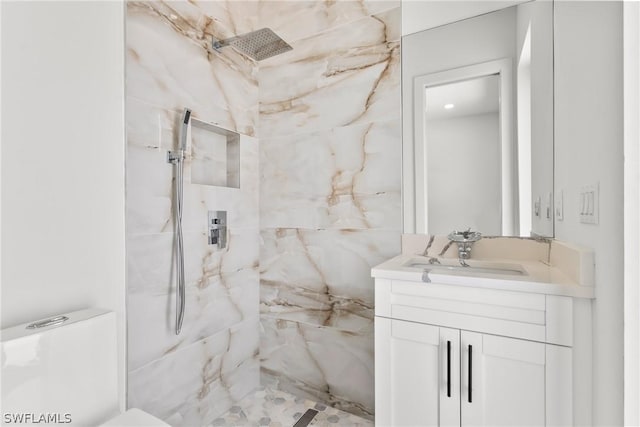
(258, 45)
(184, 124)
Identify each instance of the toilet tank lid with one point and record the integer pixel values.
(135, 418)
(48, 323)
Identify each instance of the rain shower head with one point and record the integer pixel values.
(260, 44)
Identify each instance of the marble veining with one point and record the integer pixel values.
(317, 300)
(149, 199)
(295, 20)
(330, 209)
(222, 289)
(193, 386)
(354, 66)
(150, 178)
(332, 179)
(325, 364)
(323, 207)
(190, 379)
(322, 277)
(276, 408)
(170, 63)
(507, 247)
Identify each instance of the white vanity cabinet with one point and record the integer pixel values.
(411, 374)
(455, 355)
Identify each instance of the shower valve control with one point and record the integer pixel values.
(217, 228)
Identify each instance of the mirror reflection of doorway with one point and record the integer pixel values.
(463, 155)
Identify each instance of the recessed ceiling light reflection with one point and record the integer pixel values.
(448, 106)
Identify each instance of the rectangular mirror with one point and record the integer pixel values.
(478, 124)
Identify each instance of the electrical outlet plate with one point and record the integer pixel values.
(589, 204)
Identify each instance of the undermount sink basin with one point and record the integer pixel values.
(474, 267)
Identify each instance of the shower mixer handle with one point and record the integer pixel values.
(214, 236)
(174, 157)
(186, 116)
(217, 225)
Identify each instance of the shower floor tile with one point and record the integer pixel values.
(275, 408)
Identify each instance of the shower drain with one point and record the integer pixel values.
(306, 418)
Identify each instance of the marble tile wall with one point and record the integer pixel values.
(330, 148)
(190, 379)
(328, 118)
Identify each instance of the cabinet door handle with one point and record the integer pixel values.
(448, 368)
(469, 397)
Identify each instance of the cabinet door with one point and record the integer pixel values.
(503, 381)
(417, 374)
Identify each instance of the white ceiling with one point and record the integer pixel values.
(419, 15)
(476, 96)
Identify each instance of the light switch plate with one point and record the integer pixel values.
(589, 204)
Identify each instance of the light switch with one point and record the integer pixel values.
(559, 207)
(590, 204)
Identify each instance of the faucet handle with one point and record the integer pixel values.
(464, 240)
(465, 236)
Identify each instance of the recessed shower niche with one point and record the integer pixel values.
(215, 155)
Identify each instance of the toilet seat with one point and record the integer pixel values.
(135, 418)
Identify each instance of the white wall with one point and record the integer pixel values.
(631, 213)
(62, 160)
(537, 15)
(456, 147)
(589, 149)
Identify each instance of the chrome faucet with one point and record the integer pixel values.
(464, 240)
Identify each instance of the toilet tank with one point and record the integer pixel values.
(65, 372)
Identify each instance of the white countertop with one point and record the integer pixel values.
(539, 278)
